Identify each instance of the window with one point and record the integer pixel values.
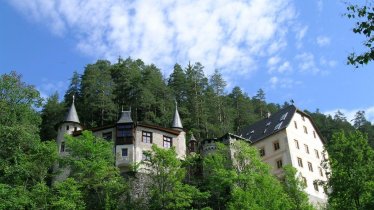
(75, 128)
(62, 149)
(124, 130)
(279, 163)
(317, 154)
(278, 126)
(297, 144)
(320, 171)
(283, 116)
(314, 134)
(305, 130)
(107, 136)
(167, 141)
(303, 117)
(315, 184)
(146, 156)
(304, 181)
(67, 127)
(268, 123)
(125, 152)
(147, 137)
(310, 166)
(276, 145)
(295, 123)
(306, 148)
(262, 152)
(300, 162)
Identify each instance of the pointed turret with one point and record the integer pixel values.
(192, 144)
(72, 115)
(125, 117)
(177, 123)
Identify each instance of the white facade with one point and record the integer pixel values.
(289, 138)
(130, 140)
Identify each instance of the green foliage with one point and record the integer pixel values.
(91, 161)
(67, 195)
(294, 187)
(52, 113)
(97, 94)
(237, 178)
(363, 15)
(351, 161)
(167, 191)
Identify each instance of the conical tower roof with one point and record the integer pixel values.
(192, 137)
(177, 123)
(125, 117)
(72, 115)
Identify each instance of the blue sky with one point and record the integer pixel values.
(291, 49)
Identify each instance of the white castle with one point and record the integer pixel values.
(288, 136)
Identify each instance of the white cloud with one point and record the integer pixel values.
(300, 32)
(47, 88)
(276, 82)
(350, 113)
(329, 63)
(219, 33)
(323, 41)
(307, 63)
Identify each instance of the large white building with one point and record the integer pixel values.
(288, 136)
(131, 139)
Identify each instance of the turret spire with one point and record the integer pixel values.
(72, 115)
(177, 123)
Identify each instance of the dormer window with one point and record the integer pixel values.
(268, 123)
(283, 116)
(278, 126)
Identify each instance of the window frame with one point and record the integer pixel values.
(306, 148)
(303, 178)
(147, 137)
(300, 162)
(316, 153)
(262, 152)
(279, 163)
(320, 171)
(305, 129)
(126, 153)
(297, 144)
(315, 184)
(295, 124)
(310, 166)
(167, 139)
(62, 147)
(276, 145)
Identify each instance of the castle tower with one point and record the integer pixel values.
(192, 144)
(180, 145)
(67, 126)
(177, 123)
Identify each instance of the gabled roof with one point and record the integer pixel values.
(125, 117)
(273, 124)
(72, 115)
(270, 125)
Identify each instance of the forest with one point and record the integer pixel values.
(206, 108)
(28, 152)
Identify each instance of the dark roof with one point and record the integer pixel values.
(72, 115)
(167, 130)
(125, 117)
(269, 126)
(273, 124)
